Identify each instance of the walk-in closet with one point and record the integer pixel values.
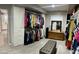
(39, 28)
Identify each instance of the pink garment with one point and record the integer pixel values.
(25, 21)
(77, 36)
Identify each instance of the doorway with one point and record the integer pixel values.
(3, 27)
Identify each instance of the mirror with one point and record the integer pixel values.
(56, 26)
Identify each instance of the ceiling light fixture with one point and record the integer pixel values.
(53, 6)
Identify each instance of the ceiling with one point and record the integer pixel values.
(55, 7)
(32, 7)
(45, 8)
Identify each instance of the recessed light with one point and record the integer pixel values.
(53, 6)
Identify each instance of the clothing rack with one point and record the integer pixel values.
(74, 43)
(32, 32)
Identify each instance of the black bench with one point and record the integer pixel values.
(49, 48)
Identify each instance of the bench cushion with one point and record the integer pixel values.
(49, 48)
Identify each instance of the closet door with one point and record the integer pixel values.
(1, 37)
(3, 27)
(4, 22)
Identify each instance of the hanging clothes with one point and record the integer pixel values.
(41, 33)
(26, 19)
(34, 20)
(26, 38)
(36, 38)
(32, 23)
(38, 35)
(75, 44)
(77, 50)
(75, 39)
(68, 44)
(37, 22)
(30, 37)
(72, 26)
(69, 41)
(33, 35)
(29, 20)
(77, 36)
(67, 33)
(41, 21)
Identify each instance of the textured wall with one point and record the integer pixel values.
(56, 16)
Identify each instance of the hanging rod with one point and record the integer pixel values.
(32, 12)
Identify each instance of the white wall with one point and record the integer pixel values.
(18, 30)
(57, 16)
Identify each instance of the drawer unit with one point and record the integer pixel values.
(56, 35)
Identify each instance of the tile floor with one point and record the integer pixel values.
(34, 48)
